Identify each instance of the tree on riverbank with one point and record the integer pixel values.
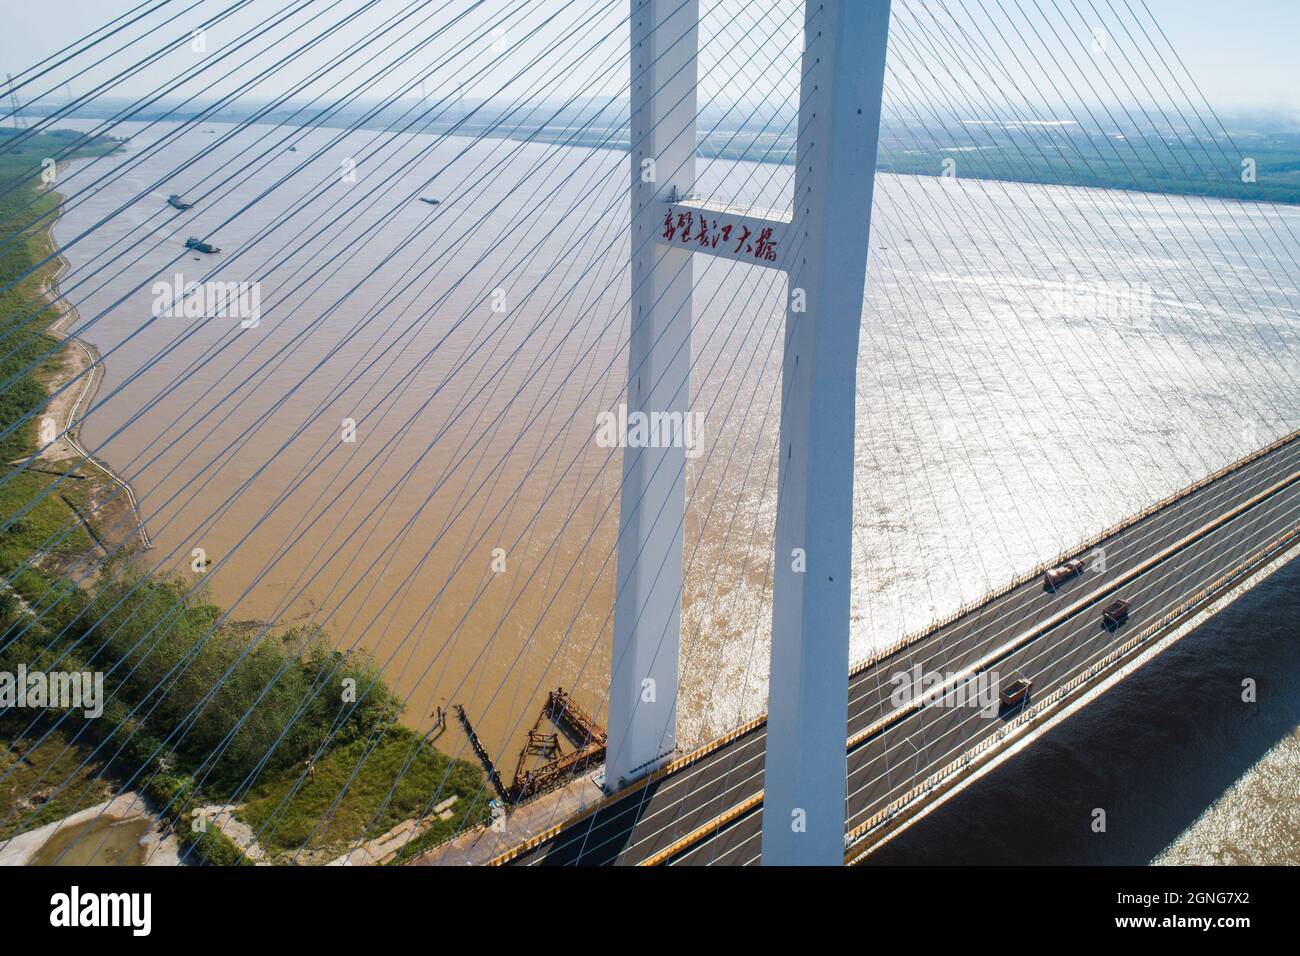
(198, 709)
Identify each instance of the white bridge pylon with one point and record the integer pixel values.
(822, 246)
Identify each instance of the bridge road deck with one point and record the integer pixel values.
(710, 810)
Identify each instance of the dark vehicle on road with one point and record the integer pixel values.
(1016, 692)
(176, 202)
(1115, 614)
(1054, 577)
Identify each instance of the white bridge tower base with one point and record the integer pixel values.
(807, 711)
(823, 249)
(648, 604)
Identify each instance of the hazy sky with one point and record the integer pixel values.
(1242, 54)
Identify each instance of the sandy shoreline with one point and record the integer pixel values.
(79, 357)
(159, 846)
(127, 812)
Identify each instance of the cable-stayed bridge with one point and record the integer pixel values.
(882, 312)
(1178, 559)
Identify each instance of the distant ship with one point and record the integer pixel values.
(176, 202)
(198, 245)
(431, 202)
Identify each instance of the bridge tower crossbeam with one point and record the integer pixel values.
(822, 246)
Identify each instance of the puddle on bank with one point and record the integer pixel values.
(101, 841)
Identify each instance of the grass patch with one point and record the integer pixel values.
(30, 775)
(310, 817)
(48, 518)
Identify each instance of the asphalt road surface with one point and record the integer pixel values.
(710, 811)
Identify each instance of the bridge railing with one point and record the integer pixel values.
(1029, 714)
(1182, 613)
(1068, 554)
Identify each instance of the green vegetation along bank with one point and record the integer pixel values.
(197, 708)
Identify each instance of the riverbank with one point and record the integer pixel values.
(301, 742)
(106, 505)
(119, 831)
(81, 357)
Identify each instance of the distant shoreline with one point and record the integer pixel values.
(1088, 166)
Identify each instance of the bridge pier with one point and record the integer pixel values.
(839, 126)
(647, 609)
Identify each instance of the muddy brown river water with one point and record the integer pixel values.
(1036, 364)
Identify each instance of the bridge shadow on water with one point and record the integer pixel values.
(1154, 751)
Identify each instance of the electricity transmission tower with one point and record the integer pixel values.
(13, 103)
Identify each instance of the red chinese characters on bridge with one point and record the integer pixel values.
(690, 227)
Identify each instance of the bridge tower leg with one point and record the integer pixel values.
(839, 126)
(647, 609)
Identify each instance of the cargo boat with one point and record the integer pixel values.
(198, 245)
